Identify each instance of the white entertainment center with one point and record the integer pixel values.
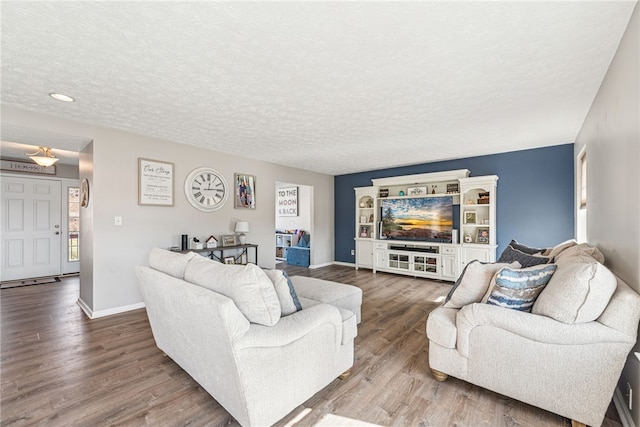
(444, 259)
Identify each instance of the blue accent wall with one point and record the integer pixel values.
(535, 195)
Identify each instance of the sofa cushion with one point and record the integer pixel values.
(579, 253)
(510, 255)
(518, 289)
(171, 263)
(560, 247)
(473, 283)
(526, 249)
(577, 293)
(334, 293)
(287, 296)
(247, 285)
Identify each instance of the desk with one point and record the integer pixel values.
(218, 253)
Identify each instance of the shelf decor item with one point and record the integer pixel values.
(155, 183)
(470, 217)
(416, 191)
(384, 192)
(453, 188)
(482, 236)
(229, 240)
(245, 191)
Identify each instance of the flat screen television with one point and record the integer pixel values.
(420, 218)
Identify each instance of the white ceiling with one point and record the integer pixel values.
(334, 87)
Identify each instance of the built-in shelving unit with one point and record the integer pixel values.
(283, 242)
(476, 197)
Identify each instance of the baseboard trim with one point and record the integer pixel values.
(622, 408)
(326, 264)
(108, 312)
(345, 264)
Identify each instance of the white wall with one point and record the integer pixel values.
(111, 164)
(611, 134)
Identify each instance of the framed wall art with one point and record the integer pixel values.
(155, 182)
(245, 191)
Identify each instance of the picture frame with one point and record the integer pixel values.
(229, 260)
(470, 217)
(155, 182)
(417, 191)
(228, 240)
(244, 191)
(482, 235)
(364, 231)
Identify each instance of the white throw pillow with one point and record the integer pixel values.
(171, 263)
(247, 285)
(285, 290)
(557, 249)
(473, 283)
(577, 293)
(582, 251)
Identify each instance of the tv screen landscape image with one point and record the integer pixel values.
(420, 218)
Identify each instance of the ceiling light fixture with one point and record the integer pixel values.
(44, 159)
(61, 97)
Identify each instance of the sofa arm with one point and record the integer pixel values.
(293, 327)
(531, 326)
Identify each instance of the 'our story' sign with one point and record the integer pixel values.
(287, 201)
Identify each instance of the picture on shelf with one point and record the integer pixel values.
(470, 217)
(364, 231)
(416, 191)
(229, 260)
(482, 235)
(229, 240)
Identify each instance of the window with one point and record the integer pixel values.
(581, 196)
(582, 175)
(73, 207)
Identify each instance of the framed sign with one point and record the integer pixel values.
(155, 182)
(287, 201)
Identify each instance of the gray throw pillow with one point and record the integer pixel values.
(510, 255)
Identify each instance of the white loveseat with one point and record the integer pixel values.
(257, 372)
(565, 356)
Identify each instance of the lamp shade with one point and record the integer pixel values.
(242, 227)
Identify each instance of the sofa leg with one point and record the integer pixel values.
(345, 374)
(439, 376)
(575, 423)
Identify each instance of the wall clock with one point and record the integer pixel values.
(206, 189)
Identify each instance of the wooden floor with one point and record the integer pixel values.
(59, 368)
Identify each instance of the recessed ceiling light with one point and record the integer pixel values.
(61, 97)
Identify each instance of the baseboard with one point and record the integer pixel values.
(345, 264)
(622, 408)
(108, 312)
(326, 264)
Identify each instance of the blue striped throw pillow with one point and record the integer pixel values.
(518, 289)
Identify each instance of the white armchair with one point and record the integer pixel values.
(567, 367)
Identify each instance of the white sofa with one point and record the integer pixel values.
(565, 356)
(257, 372)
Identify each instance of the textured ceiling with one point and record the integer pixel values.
(335, 87)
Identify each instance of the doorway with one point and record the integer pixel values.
(288, 225)
(35, 228)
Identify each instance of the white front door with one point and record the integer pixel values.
(30, 228)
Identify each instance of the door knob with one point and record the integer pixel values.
(57, 232)
(57, 226)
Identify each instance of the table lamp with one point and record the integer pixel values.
(242, 227)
